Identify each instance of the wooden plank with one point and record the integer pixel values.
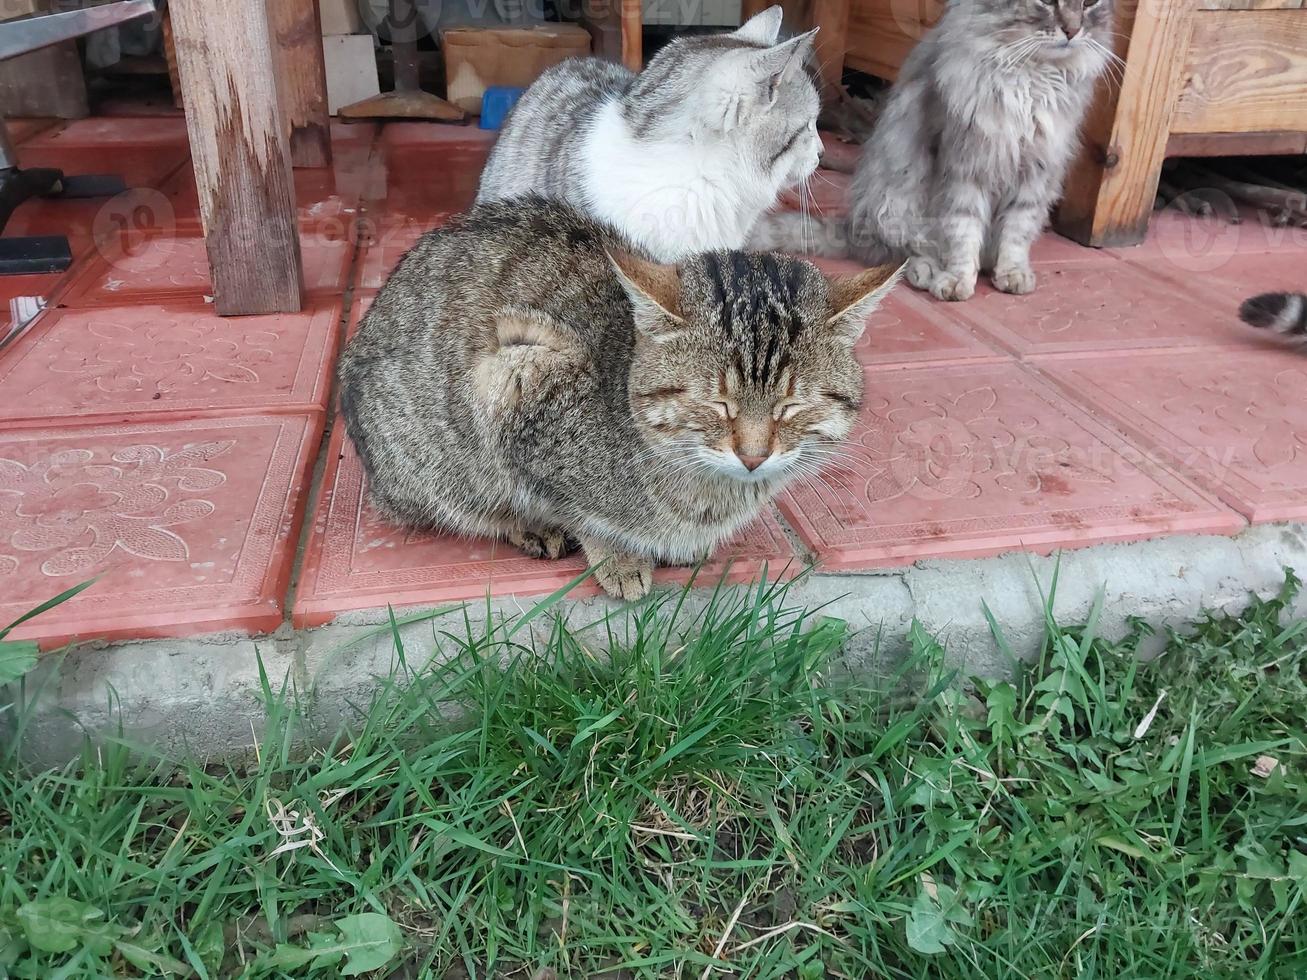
(1246, 72)
(296, 31)
(170, 55)
(240, 154)
(1251, 4)
(832, 43)
(1110, 190)
(1235, 144)
(632, 34)
(882, 32)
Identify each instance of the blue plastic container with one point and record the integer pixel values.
(496, 103)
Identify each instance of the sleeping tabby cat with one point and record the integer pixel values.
(527, 374)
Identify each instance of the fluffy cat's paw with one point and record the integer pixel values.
(534, 542)
(1017, 280)
(953, 288)
(625, 577)
(920, 272)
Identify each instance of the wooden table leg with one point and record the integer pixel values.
(240, 154)
(296, 29)
(1110, 190)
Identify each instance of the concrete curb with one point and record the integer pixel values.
(200, 696)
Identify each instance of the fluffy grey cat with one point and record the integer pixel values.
(682, 158)
(526, 374)
(973, 145)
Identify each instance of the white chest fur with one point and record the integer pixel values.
(675, 199)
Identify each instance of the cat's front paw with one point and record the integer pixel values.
(1016, 279)
(953, 288)
(540, 542)
(920, 272)
(625, 577)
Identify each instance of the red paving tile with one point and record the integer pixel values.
(358, 310)
(326, 203)
(134, 361)
(907, 329)
(21, 130)
(835, 151)
(114, 132)
(400, 135)
(1235, 423)
(973, 460)
(1195, 245)
(1236, 277)
(355, 560)
(190, 526)
(157, 268)
(386, 246)
(420, 183)
(827, 194)
(1097, 306)
(138, 166)
(22, 296)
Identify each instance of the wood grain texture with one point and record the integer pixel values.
(1246, 72)
(1236, 144)
(882, 32)
(1251, 4)
(240, 154)
(296, 33)
(1111, 188)
(632, 35)
(170, 55)
(832, 43)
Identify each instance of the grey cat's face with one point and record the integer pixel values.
(744, 367)
(1057, 29)
(744, 88)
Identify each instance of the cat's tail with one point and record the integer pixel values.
(1282, 313)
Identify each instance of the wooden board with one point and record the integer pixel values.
(1246, 73)
(882, 32)
(240, 154)
(831, 44)
(296, 32)
(1111, 188)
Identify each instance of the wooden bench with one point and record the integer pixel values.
(1201, 78)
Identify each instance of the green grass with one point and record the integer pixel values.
(716, 799)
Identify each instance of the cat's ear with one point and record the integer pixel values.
(854, 298)
(744, 82)
(654, 291)
(762, 28)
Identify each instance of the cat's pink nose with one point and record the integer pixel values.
(751, 463)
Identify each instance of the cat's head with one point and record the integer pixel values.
(745, 88)
(1052, 31)
(743, 365)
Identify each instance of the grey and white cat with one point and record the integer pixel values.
(526, 374)
(973, 145)
(682, 158)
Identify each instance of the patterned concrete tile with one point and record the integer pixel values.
(1234, 423)
(134, 361)
(189, 526)
(978, 459)
(356, 560)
